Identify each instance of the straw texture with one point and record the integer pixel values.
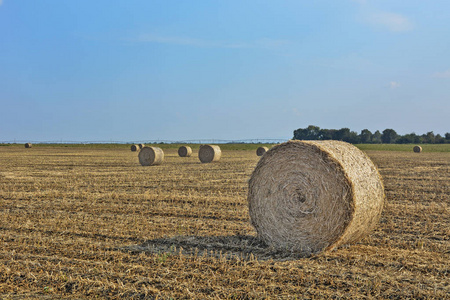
(209, 153)
(134, 148)
(185, 151)
(417, 149)
(150, 156)
(311, 196)
(261, 150)
(28, 145)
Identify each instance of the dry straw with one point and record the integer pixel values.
(185, 151)
(150, 156)
(28, 145)
(134, 148)
(417, 149)
(209, 153)
(141, 146)
(311, 196)
(261, 150)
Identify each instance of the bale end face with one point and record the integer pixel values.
(209, 153)
(141, 146)
(185, 151)
(150, 156)
(311, 196)
(261, 150)
(417, 149)
(134, 148)
(28, 145)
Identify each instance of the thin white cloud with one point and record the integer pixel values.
(360, 1)
(296, 112)
(445, 74)
(391, 21)
(149, 38)
(186, 41)
(351, 61)
(394, 84)
(1, 2)
(270, 43)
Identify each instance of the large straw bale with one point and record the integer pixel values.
(185, 151)
(209, 153)
(311, 196)
(28, 145)
(417, 149)
(134, 148)
(261, 150)
(150, 156)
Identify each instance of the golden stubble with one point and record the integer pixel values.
(92, 222)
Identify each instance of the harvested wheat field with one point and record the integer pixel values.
(91, 222)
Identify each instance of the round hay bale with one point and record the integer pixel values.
(134, 148)
(28, 145)
(312, 196)
(141, 146)
(417, 149)
(261, 150)
(209, 153)
(185, 151)
(150, 156)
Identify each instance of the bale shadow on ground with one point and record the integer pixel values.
(242, 247)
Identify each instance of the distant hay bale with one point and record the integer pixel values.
(134, 148)
(141, 146)
(312, 196)
(417, 149)
(185, 151)
(28, 145)
(209, 153)
(261, 150)
(150, 156)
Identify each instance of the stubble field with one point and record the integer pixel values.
(90, 222)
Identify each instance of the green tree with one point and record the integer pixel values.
(341, 134)
(376, 137)
(389, 136)
(310, 133)
(313, 132)
(409, 139)
(439, 139)
(326, 134)
(353, 138)
(429, 137)
(366, 136)
(300, 134)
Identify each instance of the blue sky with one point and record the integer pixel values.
(180, 70)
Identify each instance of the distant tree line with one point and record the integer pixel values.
(388, 136)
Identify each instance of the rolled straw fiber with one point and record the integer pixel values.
(209, 153)
(134, 148)
(150, 156)
(312, 196)
(417, 149)
(185, 151)
(261, 150)
(28, 145)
